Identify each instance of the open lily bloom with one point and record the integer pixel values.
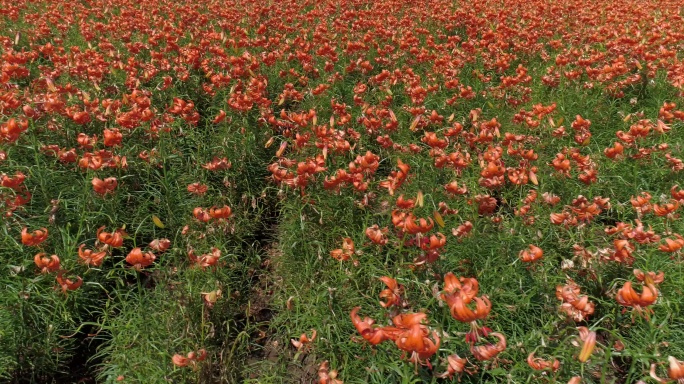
(35, 238)
(139, 259)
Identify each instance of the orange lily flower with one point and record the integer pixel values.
(614, 152)
(454, 189)
(86, 142)
(422, 226)
(444, 210)
(396, 178)
(12, 182)
(676, 369)
(534, 253)
(180, 360)
(489, 351)
(417, 341)
(112, 137)
(67, 284)
(575, 306)
(304, 340)
(649, 277)
(191, 359)
(46, 264)
(550, 198)
(564, 218)
(103, 187)
(456, 364)
(114, 239)
(642, 203)
(623, 251)
(462, 230)
(486, 205)
(217, 164)
(677, 194)
(405, 204)
(91, 258)
(628, 297)
(346, 252)
(201, 214)
(392, 294)
(434, 242)
(377, 235)
(539, 364)
(375, 335)
(640, 235)
(220, 213)
(407, 320)
(665, 209)
(220, 117)
(140, 260)
(326, 376)
(205, 260)
(672, 245)
(198, 189)
(461, 312)
(160, 245)
(32, 239)
(399, 218)
(465, 287)
(589, 339)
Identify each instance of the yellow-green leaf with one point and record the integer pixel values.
(438, 219)
(157, 222)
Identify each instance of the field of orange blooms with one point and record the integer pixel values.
(341, 191)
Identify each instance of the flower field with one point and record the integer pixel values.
(341, 191)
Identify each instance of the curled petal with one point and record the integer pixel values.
(303, 340)
(540, 364)
(456, 365)
(489, 351)
(407, 320)
(391, 295)
(365, 328)
(461, 312)
(68, 284)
